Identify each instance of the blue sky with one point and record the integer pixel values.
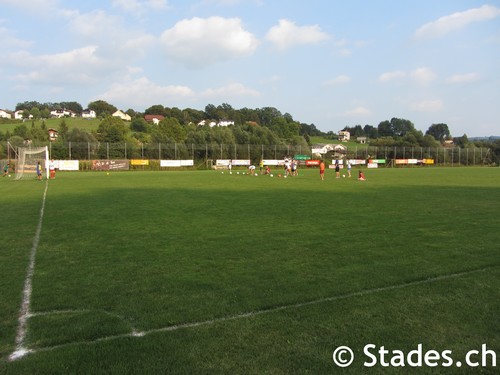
(330, 63)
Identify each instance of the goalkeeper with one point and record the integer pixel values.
(39, 171)
(6, 170)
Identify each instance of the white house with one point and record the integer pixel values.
(155, 119)
(344, 136)
(122, 115)
(60, 113)
(89, 113)
(204, 122)
(225, 123)
(361, 140)
(323, 149)
(19, 115)
(213, 123)
(5, 114)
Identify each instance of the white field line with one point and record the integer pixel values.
(25, 306)
(250, 314)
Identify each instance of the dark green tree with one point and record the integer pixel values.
(440, 132)
(112, 129)
(22, 131)
(63, 129)
(462, 141)
(156, 109)
(385, 129)
(102, 108)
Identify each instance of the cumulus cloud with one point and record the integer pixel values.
(463, 78)
(427, 106)
(391, 76)
(142, 92)
(231, 90)
(197, 42)
(80, 65)
(456, 21)
(115, 39)
(338, 80)
(423, 76)
(286, 34)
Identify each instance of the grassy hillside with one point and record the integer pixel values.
(54, 123)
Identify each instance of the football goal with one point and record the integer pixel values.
(27, 159)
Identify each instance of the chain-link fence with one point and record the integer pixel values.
(204, 154)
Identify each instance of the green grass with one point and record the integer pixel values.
(148, 251)
(77, 122)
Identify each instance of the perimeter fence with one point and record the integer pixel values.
(204, 154)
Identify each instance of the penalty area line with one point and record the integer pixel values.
(28, 287)
(250, 314)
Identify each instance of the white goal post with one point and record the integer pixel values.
(27, 159)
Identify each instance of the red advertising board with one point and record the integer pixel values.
(312, 163)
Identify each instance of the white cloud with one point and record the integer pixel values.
(198, 42)
(80, 66)
(226, 3)
(456, 21)
(231, 90)
(338, 80)
(358, 112)
(31, 5)
(142, 92)
(423, 76)
(427, 106)
(139, 6)
(286, 34)
(391, 76)
(117, 41)
(9, 40)
(463, 78)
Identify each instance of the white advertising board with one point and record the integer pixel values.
(67, 165)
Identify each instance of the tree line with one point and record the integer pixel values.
(266, 126)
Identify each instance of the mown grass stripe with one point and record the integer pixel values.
(250, 314)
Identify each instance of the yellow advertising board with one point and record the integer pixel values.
(139, 162)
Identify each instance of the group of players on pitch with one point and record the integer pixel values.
(291, 169)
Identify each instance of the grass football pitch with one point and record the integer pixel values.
(205, 272)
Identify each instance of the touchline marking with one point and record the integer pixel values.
(250, 314)
(28, 287)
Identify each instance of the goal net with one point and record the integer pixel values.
(27, 160)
